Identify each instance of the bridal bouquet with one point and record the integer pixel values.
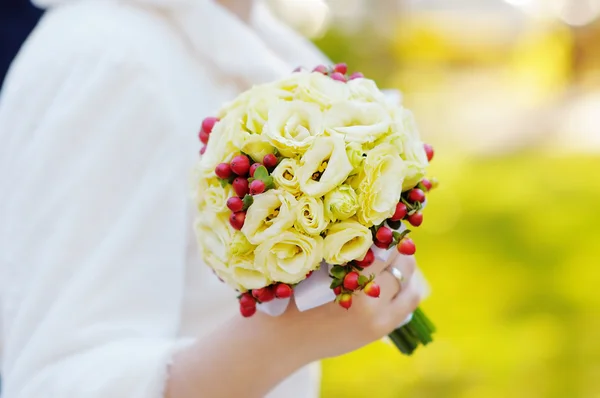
(302, 184)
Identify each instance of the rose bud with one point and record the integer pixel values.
(345, 301)
(257, 187)
(372, 289)
(415, 219)
(235, 204)
(283, 291)
(240, 165)
(223, 170)
(247, 312)
(263, 295)
(400, 212)
(351, 280)
(407, 247)
(247, 300)
(428, 151)
(237, 220)
(367, 261)
(384, 235)
(208, 124)
(253, 168)
(240, 186)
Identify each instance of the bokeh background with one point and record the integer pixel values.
(508, 92)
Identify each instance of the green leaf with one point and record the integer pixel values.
(338, 272)
(269, 183)
(224, 183)
(356, 267)
(363, 280)
(261, 173)
(336, 283)
(248, 200)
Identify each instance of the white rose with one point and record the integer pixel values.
(365, 90)
(213, 234)
(310, 215)
(285, 175)
(321, 90)
(212, 196)
(247, 274)
(271, 213)
(293, 126)
(359, 122)
(346, 241)
(324, 166)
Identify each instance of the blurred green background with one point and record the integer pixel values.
(508, 92)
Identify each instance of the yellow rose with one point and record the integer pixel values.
(270, 213)
(285, 175)
(380, 184)
(293, 126)
(213, 234)
(221, 147)
(346, 241)
(212, 195)
(324, 166)
(406, 137)
(310, 215)
(289, 255)
(365, 90)
(357, 121)
(257, 146)
(341, 203)
(246, 274)
(321, 90)
(240, 246)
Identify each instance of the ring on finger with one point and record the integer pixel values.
(397, 274)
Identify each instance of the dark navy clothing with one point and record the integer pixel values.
(17, 19)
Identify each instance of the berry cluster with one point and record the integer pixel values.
(338, 72)
(347, 279)
(249, 300)
(246, 180)
(204, 135)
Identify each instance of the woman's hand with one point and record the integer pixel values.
(330, 330)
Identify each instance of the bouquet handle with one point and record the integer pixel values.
(418, 331)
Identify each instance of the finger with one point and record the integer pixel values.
(406, 302)
(389, 286)
(383, 259)
(406, 265)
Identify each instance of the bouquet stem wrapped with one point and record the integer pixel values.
(315, 172)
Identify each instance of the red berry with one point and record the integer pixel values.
(428, 151)
(381, 245)
(345, 300)
(270, 161)
(372, 289)
(253, 168)
(240, 186)
(427, 185)
(240, 165)
(237, 220)
(204, 136)
(257, 187)
(384, 235)
(400, 212)
(223, 171)
(309, 274)
(264, 294)
(203, 149)
(338, 76)
(235, 204)
(341, 68)
(321, 69)
(208, 124)
(416, 195)
(356, 75)
(247, 301)
(367, 261)
(283, 291)
(351, 280)
(247, 312)
(415, 219)
(407, 247)
(337, 290)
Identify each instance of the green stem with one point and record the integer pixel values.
(417, 332)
